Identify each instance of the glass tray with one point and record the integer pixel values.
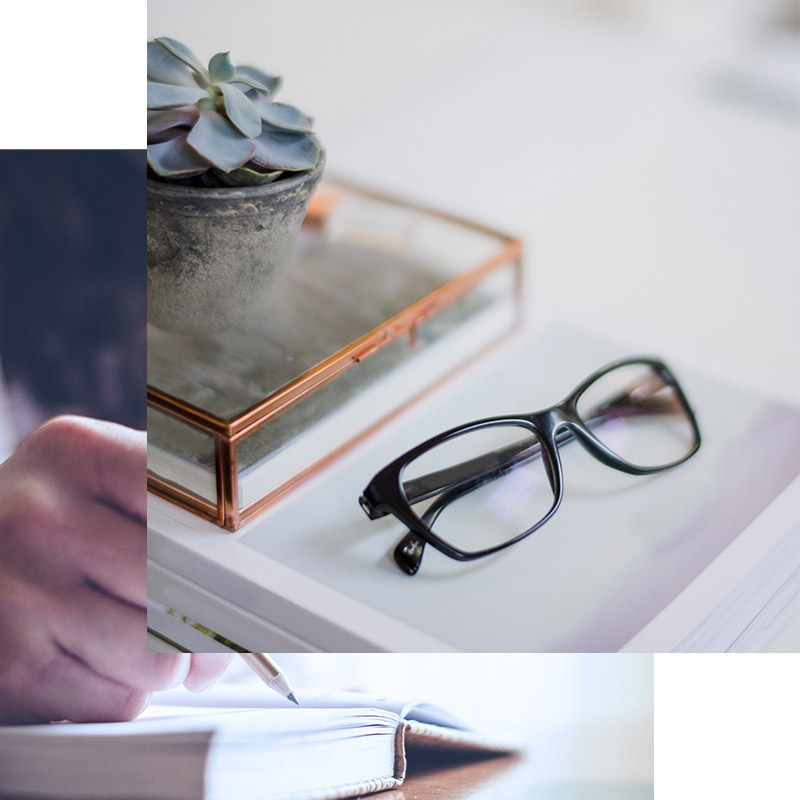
(383, 300)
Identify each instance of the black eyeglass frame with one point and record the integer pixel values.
(551, 426)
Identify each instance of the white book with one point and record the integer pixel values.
(332, 746)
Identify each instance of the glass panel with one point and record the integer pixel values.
(182, 454)
(638, 416)
(482, 488)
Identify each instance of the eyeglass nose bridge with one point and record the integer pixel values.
(549, 425)
(558, 426)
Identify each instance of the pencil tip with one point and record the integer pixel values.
(291, 697)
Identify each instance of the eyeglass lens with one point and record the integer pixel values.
(482, 488)
(638, 415)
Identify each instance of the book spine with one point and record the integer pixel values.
(346, 790)
(400, 752)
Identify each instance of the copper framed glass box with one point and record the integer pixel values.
(384, 300)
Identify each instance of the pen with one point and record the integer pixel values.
(270, 673)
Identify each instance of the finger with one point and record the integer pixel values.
(65, 688)
(108, 635)
(111, 551)
(58, 538)
(110, 460)
(205, 669)
(39, 680)
(78, 694)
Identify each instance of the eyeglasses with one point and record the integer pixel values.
(484, 486)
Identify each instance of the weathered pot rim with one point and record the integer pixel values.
(194, 198)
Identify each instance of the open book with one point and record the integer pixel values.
(330, 747)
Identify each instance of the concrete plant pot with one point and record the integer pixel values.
(216, 256)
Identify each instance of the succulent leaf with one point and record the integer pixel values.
(163, 67)
(245, 83)
(160, 121)
(240, 111)
(287, 151)
(214, 138)
(165, 95)
(182, 52)
(220, 67)
(270, 83)
(175, 158)
(246, 177)
(283, 116)
(218, 123)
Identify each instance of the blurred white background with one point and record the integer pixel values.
(646, 150)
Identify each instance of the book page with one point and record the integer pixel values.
(228, 696)
(427, 723)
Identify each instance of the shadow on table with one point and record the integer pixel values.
(460, 776)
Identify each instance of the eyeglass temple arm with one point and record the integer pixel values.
(629, 402)
(476, 471)
(639, 398)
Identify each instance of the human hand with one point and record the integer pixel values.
(73, 580)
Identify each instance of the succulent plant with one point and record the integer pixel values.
(218, 125)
